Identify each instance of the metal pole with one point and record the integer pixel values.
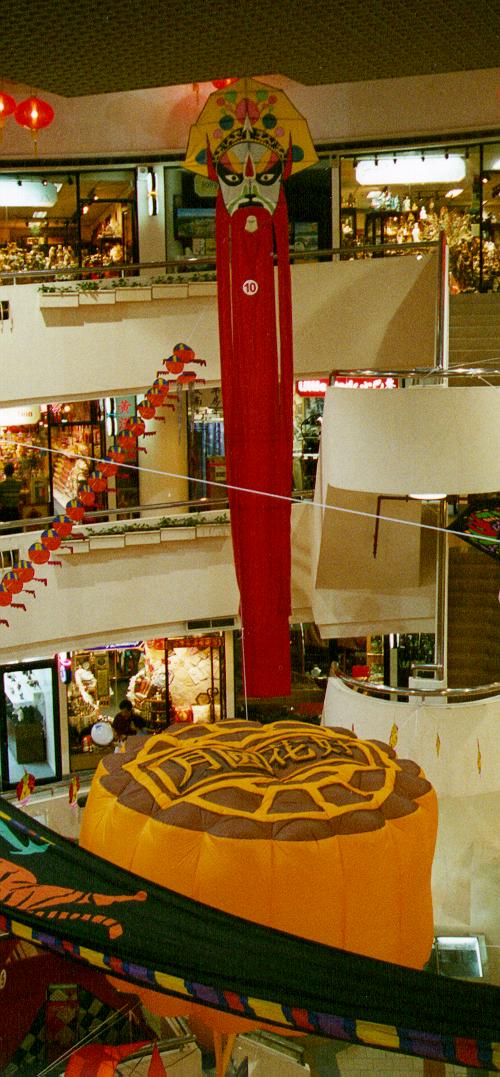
(441, 624)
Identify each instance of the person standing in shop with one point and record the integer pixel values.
(10, 497)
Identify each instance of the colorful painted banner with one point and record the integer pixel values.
(154, 937)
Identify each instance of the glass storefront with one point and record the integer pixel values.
(29, 723)
(166, 680)
(399, 198)
(65, 220)
(37, 438)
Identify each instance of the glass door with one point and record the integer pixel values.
(29, 723)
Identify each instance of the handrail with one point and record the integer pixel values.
(416, 372)
(73, 273)
(372, 687)
(200, 503)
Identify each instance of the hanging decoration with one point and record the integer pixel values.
(7, 107)
(34, 114)
(25, 787)
(222, 84)
(230, 965)
(249, 138)
(125, 448)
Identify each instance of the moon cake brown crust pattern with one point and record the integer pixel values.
(287, 781)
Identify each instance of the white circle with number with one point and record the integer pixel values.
(250, 287)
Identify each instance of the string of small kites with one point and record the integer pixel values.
(174, 375)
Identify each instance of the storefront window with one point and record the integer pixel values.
(73, 428)
(29, 721)
(21, 430)
(490, 230)
(206, 448)
(107, 218)
(190, 213)
(409, 197)
(166, 680)
(65, 220)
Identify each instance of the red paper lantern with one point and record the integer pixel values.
(12, 582)
(34, 114)
(75, 510)
(50, 539)
(98, 482)
(24, 570)
(221, 84)
(146, 410)
(5, 597)
(7, 107)
(63, 525)
(86, 496)
(107, 468)
(39, 554)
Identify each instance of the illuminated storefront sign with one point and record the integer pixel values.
(23, 416)
(318, 386)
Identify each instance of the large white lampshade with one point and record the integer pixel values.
(404, 441)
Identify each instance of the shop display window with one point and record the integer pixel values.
(400, 198)
(190, 214)
(62, 221)
(166, 680)
(73, 428)
(206, 448)
(22, 430)
(29, 721)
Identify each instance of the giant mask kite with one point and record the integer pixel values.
(250, 138)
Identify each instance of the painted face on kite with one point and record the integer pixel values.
(250, 175)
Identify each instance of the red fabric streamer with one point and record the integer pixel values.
(257, 390)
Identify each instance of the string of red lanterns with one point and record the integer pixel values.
(32, 113)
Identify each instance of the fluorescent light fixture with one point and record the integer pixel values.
(39, 213)
(454, 192)
(26, 192)
(410, 168)
(427, 497)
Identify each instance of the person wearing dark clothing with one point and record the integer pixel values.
(10, 496)
(127, 722)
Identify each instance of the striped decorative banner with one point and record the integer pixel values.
(156, 938)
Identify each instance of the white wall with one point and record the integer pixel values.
(345, 314)
(158, 120)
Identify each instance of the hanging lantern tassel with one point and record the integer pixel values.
(479, 761)
(34, 114)
(7, 107)
(438, 744)
(393, 739)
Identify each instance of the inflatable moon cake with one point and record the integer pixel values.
(302, 828)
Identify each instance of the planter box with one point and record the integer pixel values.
(212, 530)
(177, 534)
(97, 298)
(74, 547)
(142, 538)
(169, 291)
(203, 287)
(132, 295)
(106, 542)
(59, 300)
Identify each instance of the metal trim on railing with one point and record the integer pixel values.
(40, 522)
(372, 687)
(73, 273)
